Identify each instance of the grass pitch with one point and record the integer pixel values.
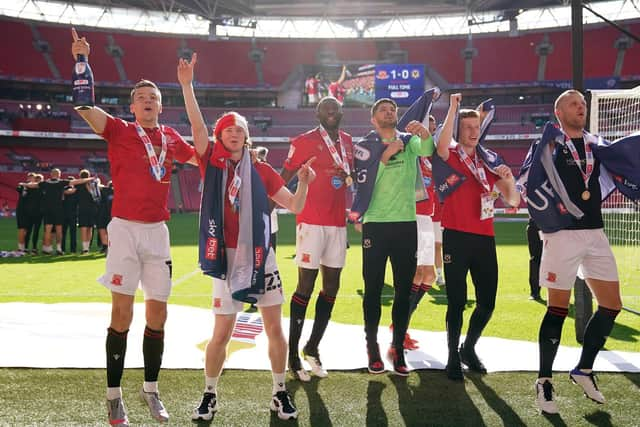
(73, 397)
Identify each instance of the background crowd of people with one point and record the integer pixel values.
(63, 206)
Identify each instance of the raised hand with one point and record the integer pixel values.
(454, 100)
(414, 127)
(306, 174)
(504, 172)
(80, 46)
(185, 69)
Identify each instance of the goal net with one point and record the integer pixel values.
(614, 114)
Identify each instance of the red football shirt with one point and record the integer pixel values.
(425, 207)
(461, 210)
(326, 199)
(272, 181)
(337, 91)
(138, 196)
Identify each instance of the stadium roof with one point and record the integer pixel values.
(317, 18)
(212, 9)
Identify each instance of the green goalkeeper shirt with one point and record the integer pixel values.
(394, 192)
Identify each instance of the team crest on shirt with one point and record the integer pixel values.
(336, 182)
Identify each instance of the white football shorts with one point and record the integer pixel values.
(564, 251)
(223, 303)
(139, 256)
(318, 245)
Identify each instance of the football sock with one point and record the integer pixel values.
(298, 309)
(417, 292)
(278, 382)
(116, 349)
(152, 348)
(549, 339)
(150, 386)
(595, 335)
(114, 392)
(211, 385)
(324, 307)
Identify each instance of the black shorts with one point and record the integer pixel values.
(87, 217)
(104, 218)
(54, 217)
(23, 221)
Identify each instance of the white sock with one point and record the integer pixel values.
(150, 386)
(114, 392)
(278, 382)
(85, 246)
(47, 248)
(59, 247)
(211, 385)
(439, 272)
(21, 246)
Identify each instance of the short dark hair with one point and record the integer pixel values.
(381, 101)
(143, 83)
(466, 113)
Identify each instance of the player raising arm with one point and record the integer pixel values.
(141, 155)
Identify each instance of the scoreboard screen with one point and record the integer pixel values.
(404, 83)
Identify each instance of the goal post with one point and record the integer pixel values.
(615, 114)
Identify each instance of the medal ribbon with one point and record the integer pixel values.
(343, 163)
(234, 188)
(588, 154)
(476, 170)
(155, 161)
(426, 163)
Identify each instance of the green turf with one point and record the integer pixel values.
(72, 397)
(71, 278)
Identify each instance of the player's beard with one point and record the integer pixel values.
(333, 125)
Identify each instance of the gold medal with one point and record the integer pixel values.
(586, 195)
(348, 180)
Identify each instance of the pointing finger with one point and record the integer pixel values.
(194, 58)
(74, 34)
(311, 160)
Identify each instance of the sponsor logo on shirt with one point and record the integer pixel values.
(259, 254)
(211, 249)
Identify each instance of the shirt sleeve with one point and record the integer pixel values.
(202, 160)
(297, 155)
(112, 128)
(184, 151)
(421, 147)
(273, 182)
